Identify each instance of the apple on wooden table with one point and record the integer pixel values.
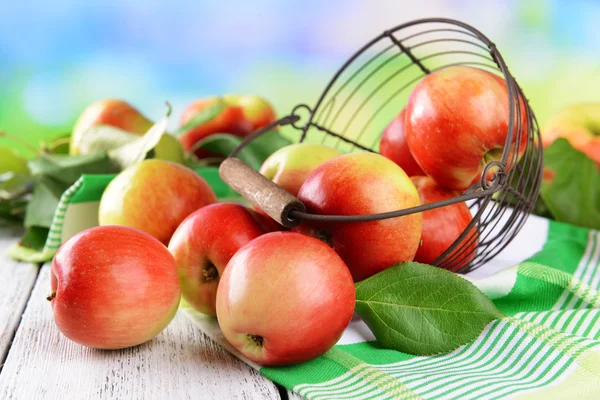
(443, 225)
(358, 184)
(154, 196)
(580, 125)
(457, 121)
(284, 298)
(203, 245)
(113, 287)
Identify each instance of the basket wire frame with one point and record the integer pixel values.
(371, 88)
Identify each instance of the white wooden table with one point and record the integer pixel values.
(37, 362)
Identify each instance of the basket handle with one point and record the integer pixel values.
(276, 202)
(256, 188)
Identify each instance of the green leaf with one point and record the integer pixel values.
(423, 310)
(68, 169)
(206, 115)
(13, 209)
(44, 200)
(221, 144)
(254, 154)
(522, 176)
(573, 195)
(100, 138)
(34, 238)
(136, 151)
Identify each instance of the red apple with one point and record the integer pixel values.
(580, 125)
(113, 287)
(203, 245)
(284, 298)
(229, 120)
(291, 165)
(154, 196)
(241, 115)
(356, 184)
(442, 226)
(457, 121)
(393, 146)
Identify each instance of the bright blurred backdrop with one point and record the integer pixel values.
(57, 57)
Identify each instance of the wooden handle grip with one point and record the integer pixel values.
(271, 198)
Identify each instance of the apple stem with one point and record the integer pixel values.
(51, 296)
(210, 273)
(257, 339)
(17, 139)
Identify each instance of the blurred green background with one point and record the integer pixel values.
(57, 57)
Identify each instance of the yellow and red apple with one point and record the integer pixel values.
(393, 145)
(154, 196)
(457, 121)
(357, 184)
(120, 114)
(113, 287)
(239, 115)
(291, 165)
(580, 125)
(257, 110)
(284, 298)
(203, 245)
(443, 225)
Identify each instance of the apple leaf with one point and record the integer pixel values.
(67, 168)
(573, 194)
(104, 138)
(206, 115)
(34, 238)
(423, 310)
(521, 178)
(136, 150)
(44, 200)
(254, 154)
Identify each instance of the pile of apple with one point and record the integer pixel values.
(280, 297)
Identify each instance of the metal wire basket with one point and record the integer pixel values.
(367, 92)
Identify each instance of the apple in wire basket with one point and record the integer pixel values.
(443, 225)
(457, 121)
(358, 184)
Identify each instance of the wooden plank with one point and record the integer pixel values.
(16, 282)
(181, 363)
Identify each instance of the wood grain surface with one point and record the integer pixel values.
(181, 363)
(16, 282)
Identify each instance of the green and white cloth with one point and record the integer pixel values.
(548, 347)
(546, 281)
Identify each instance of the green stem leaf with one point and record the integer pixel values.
(423, 310)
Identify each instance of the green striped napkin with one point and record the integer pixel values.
(548, 347)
